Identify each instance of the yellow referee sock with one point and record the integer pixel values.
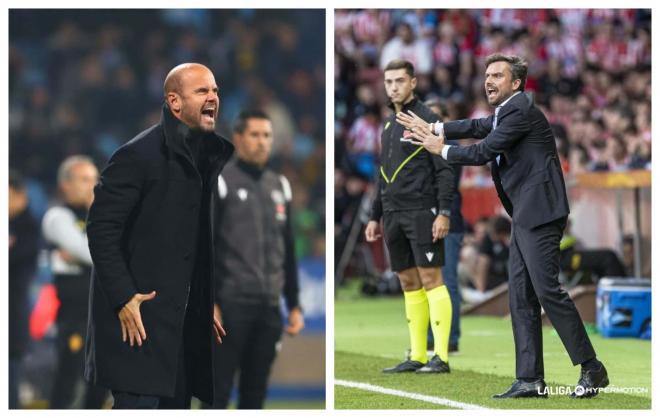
(440, 312)
(417, 313)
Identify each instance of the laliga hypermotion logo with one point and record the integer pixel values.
(581, 391)
(562, 390)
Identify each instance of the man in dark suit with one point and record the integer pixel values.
(150, 332)
(519, 144)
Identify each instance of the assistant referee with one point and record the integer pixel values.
(415, 192)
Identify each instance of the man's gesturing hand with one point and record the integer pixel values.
(424, 137)
(131, 320)
(411, 121)
(217, 323)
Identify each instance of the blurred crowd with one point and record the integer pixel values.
(85, 82)
(589, 72)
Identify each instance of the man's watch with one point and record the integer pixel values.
(445, 212)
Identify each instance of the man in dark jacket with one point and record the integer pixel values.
(151, 323)
(23, 249)
(519, 143)
(63, 227)
(414, 197)
(256, 264)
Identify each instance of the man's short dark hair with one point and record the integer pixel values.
(401, 65)
(517, 65)
(241, 122)
(16, 180)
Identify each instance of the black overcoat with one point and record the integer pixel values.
(143, 233)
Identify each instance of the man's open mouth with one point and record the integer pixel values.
(491, 92)
(209, 113)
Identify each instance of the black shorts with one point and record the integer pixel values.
(409, 239)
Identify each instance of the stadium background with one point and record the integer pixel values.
(590, 73)
(86, 81)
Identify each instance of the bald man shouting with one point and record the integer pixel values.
(151, 321)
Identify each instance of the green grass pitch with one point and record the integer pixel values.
(371, 333)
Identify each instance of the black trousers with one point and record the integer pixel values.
(70, 366)
(253, 332)
(533, 283)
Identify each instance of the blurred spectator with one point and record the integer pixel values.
(629, 255)
(405, 45)
(363, 142)
(600, 262)
(492, 264)
(484, 258)
(23, 247)
(452, 242)
(470, 251)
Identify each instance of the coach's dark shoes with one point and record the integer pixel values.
(405, 367)
(591, 379)
(435, 365)
(522, 389)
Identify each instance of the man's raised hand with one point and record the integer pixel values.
(424, 137)
(411, 121)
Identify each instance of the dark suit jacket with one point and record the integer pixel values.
(528, 179)
(143, 226)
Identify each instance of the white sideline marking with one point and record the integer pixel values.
(410, 395)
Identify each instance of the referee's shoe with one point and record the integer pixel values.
(435, 365)
(405, 367)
